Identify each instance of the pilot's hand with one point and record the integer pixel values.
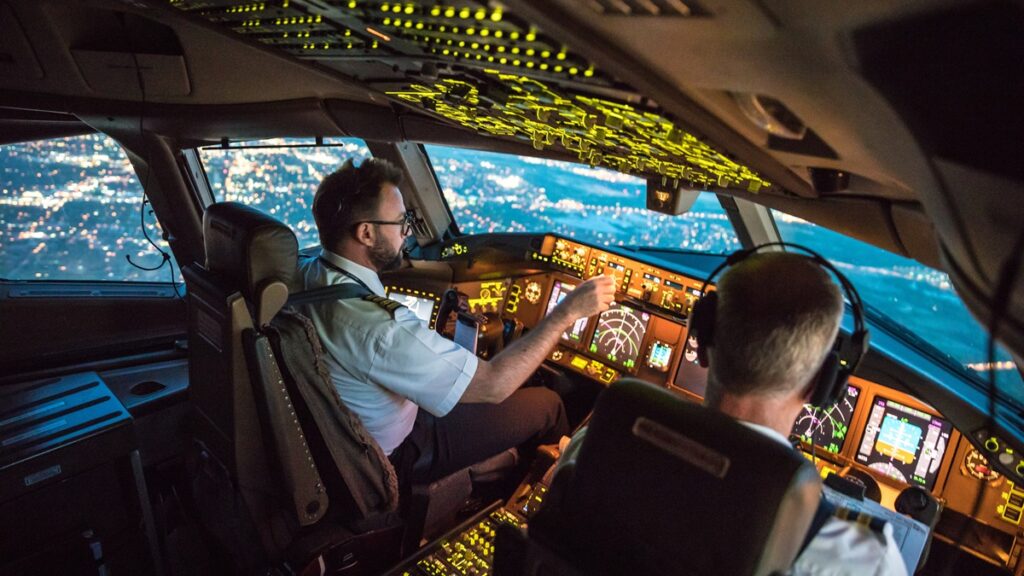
(589, 298)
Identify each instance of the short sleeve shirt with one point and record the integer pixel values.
(384, 367)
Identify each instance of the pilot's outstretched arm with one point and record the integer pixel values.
(497, 379)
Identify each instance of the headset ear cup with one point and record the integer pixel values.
(829, 383)
(702, 325)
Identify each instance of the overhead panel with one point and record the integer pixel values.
(479, 66)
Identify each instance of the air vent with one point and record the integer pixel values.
(676, 8)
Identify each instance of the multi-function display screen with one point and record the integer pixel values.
(423, 308)
(660, 356)
(828, 428)
(558, 293)
(619, 334)
(903, 443)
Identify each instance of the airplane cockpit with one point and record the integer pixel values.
(162, 410)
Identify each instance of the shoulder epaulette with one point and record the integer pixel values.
(385, 303)
(863, 518)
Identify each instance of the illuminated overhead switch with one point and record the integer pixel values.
(613, 121)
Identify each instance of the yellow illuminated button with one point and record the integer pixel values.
(992, 445)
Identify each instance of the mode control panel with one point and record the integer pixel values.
(589, 367)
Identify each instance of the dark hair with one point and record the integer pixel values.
(350, 194)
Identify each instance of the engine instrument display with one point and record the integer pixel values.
(486, 296)
(903, 443)
(827, 429)
(660, 356)
(619, 334)
(423, 308)
(558, 293)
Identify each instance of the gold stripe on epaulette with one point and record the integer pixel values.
(385, 303)
(862, 518)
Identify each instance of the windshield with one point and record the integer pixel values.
(73, 209)
(918, 298)
(279, 176)
(489, 192)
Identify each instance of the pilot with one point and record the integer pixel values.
(777, 316)
(431, 405)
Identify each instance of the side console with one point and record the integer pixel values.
(72, 494)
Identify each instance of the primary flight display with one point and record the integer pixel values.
(904, 443)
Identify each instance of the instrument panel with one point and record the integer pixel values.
(651, 285)
(874, 433)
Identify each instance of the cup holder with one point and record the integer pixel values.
(146, 388)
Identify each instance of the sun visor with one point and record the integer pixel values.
(861, 218)
(366, 121)
(126, 74)
(917, 233)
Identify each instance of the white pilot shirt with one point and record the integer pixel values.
(841, 548)
(383, 368)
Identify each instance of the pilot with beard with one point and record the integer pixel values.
(431, 405)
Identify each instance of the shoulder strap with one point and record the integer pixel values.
(343, 292)
(825, 511)
(333, 292)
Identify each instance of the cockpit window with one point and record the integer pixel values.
(72, 209)
(279, 176)
(491, 192)
(918, 298)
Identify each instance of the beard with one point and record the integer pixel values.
(383, 257)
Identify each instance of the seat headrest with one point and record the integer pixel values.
(249, 249)
(664, 486)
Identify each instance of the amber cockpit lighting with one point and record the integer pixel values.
(490, 71)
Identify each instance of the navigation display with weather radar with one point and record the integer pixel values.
(827, 429)
(904, 443)
(619, 335)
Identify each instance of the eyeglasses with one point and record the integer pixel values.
(406, 222)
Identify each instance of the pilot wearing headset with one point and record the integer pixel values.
(766, 336)
(432, 406)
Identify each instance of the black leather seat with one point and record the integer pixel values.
(662, 486)
(267, 477)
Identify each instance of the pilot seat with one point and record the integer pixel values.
(283, 474)
(662, 486)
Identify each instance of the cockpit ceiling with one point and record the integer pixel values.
(479, 66)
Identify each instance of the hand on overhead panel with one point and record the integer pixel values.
(589, 298)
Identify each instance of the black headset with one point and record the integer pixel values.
(841, 360)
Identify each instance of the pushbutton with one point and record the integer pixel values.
(1020, 469)
(1006, 459)
(1011, 514)
(992, 445)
